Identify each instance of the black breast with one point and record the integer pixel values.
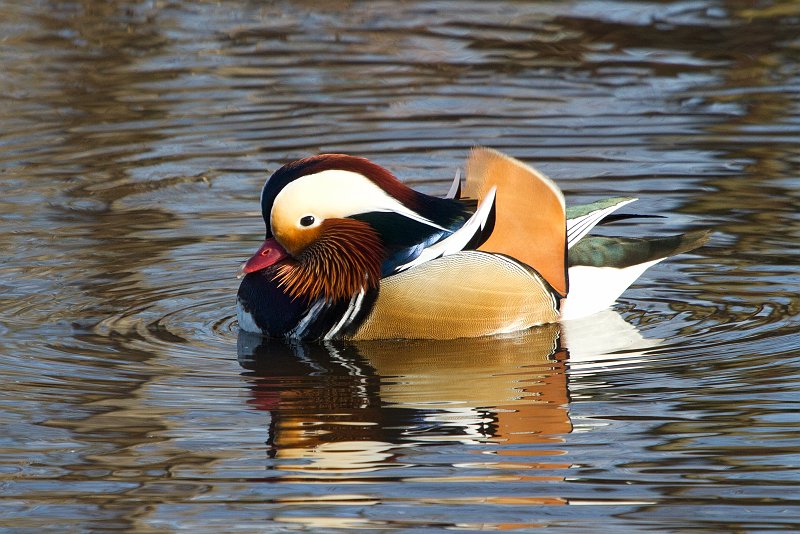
(275, 312)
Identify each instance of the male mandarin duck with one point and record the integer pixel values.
(353, 253)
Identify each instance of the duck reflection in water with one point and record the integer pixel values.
(352, 407)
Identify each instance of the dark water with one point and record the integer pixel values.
(135, 138)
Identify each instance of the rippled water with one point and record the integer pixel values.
(135, 138)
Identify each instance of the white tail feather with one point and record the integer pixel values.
(593, 289)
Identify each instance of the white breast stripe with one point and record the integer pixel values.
(352, 310)
(304, 323)
(459, 239)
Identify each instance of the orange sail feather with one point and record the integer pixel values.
(530, 223)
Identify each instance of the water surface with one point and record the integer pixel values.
(135, 138)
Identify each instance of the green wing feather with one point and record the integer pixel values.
(620, 252)
(586, 209)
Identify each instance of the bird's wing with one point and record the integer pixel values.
(581, 219)
(471, 234)
(602, 268)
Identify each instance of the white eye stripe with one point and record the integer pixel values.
(336, 194)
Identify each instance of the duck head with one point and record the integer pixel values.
(333, 221)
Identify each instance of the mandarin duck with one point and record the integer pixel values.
(351, 252)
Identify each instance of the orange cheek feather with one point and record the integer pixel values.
(335, 260)
(295, 240)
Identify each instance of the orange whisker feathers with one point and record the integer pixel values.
(343, 261)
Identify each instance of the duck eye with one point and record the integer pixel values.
(308, 220)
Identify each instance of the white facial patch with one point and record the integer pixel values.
(334, 194)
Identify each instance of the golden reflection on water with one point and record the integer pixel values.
(483, 390)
